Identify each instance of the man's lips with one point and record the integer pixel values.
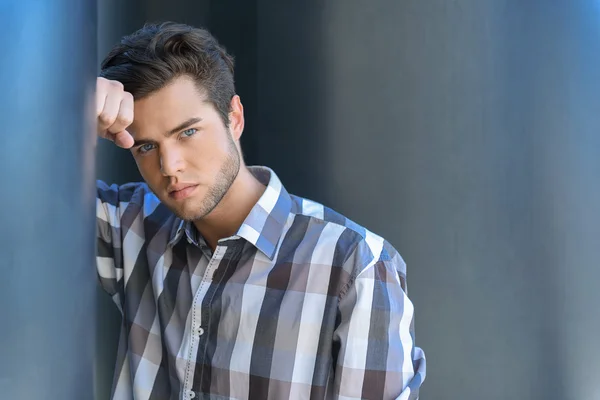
(181, 191)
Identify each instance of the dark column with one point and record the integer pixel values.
(47, 262)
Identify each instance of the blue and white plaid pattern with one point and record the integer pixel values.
(301, 303)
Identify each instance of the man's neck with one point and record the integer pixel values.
(230, 213)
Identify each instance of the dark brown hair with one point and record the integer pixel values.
(153, 56)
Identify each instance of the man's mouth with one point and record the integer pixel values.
(181, 191)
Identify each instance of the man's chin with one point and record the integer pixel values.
(190, 209)
(186, 214)
(183, 211)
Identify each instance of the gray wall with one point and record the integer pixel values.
(466, 133)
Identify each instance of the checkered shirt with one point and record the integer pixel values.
(301, 303)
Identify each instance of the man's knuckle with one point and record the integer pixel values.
(106, 118)
(116, 84)
(124, 119)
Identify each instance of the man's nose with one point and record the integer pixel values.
(171, 162)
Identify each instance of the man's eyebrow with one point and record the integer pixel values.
(173, 131)
(141, 142)
(184, 125)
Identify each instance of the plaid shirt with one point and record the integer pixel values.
(301, 303)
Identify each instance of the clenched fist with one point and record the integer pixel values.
(114, 111)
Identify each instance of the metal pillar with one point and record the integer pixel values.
(47, 262)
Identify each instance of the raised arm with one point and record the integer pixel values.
(114, 112)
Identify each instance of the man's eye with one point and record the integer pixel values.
(189, 132)
(145, 148)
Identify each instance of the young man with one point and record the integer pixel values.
(229, 286)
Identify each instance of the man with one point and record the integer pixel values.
(229, 287)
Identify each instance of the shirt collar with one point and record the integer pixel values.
(264, 224)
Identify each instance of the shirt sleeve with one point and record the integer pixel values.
(111, 204)
(375, 354)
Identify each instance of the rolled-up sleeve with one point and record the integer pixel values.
(111, 203)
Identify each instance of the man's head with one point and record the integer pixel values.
(187, 118)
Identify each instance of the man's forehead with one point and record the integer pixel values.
(178, 101)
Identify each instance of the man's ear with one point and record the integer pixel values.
(236, 118)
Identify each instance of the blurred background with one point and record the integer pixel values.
(466, 132)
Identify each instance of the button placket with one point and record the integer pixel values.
(206, 280)
(196, 323)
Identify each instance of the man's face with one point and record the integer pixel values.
(183, 150)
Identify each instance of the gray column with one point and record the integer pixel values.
(47, 263)
(467, 133)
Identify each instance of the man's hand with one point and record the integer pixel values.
(114, 109)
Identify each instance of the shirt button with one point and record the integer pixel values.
(191, 395)
(200, 331)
